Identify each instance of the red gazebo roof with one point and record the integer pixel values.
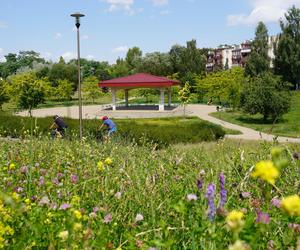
(142, 80)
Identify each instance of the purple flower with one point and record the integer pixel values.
(33, 198)
(59, 175)
(223, 192)
(192, 197)
(152, 248)
(199, 184)
(275, 202)
(65, 206)
(270, 245)
(210, 193)
(107, 218)
(53, 206)
(296, 156)
(74, 178)
(262, 217)
(19, 189)
(95, 209)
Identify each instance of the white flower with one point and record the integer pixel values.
(139, 217)
(192, 197)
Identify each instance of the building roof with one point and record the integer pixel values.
(142, 80)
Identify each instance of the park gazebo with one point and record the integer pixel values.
(140, 80)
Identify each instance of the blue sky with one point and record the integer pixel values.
(110, 27)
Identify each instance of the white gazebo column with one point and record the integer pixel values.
(162, 100)
(169, 96)
(126, 97)
(113, 92)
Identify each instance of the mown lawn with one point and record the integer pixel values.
(81, 195)
(288, 126)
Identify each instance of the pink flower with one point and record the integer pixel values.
(263, 218)
(44, 201)
(118, 195)
(275, 202)
(192, 197)
(246, 195)
(65, 206)
(107, 218)
(74, 178)
(41, 181)
(24, 169)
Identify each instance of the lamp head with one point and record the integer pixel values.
(77, 16)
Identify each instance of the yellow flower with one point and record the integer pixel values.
(77, 214)
(108, 161)
(291, 205)
(100, 166)
(75, 200)
(266, 171)
(63, 235)
(77, 226)
(234, 220)
(15, 196)
(27, 201)
(239, 245)
(12, 166)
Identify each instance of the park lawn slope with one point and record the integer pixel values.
(60, 194)
(288, 125)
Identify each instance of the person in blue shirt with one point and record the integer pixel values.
(110, 125)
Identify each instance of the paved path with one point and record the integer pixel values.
(202, 111)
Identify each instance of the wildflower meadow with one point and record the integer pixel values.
(60, 194)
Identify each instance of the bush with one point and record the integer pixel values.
(159, 131)
(266, 95)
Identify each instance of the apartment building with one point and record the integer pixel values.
(228, 56)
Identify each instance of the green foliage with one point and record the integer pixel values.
(3, 93)
(27, 90)
(287, 53)
(259, 60)
(91, 89)
(184, 96)
(63, 90)
(133, 58)
(226, 86)
(119, 69)
(266, 95)
(63, 71)
(163, 131)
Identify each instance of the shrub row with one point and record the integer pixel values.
(162, 131)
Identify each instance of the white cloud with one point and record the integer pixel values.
(3, 25)
(262, 10)
(160, 2)
(90, 57)
(2, 59)
(57, 35)
(1, 50)
(125, 5)
(122, 49)
(69, 55)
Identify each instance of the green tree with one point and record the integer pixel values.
(259, 60)
(225, 86)
(287, 52)
(3, 93)
(133, 58)
(63, 90)
(91, 89)
(119, 69)
(27, 90)
(266, 95)
(184, 96)
(63, 71)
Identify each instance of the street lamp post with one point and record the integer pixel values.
(77, 24)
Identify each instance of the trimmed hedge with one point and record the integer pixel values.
(163, 131)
